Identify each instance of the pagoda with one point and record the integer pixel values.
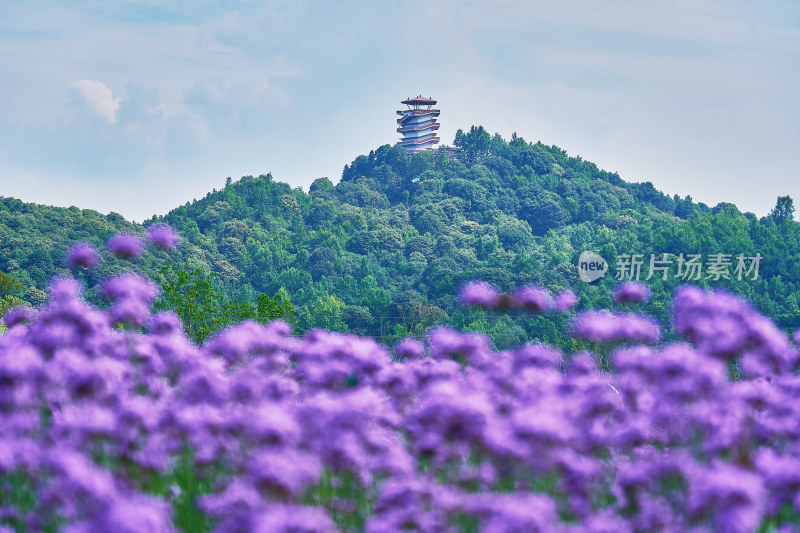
(418, 124)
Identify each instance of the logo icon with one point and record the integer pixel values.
(591, 266)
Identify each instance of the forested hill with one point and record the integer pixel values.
(384, 251)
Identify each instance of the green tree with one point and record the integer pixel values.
(9, 285)
(190, 293)
(476, 144)
(279, 306)
(7, 302)
(325, 312)
(233, 312)
(783, 210)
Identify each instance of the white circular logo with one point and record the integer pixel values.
(591, 266)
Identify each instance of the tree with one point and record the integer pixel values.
(9, 285)
(7, 302)
(278, 306)
(325, 312)
(784, 209)
(543, 214)
(476, 144)
(35, 297)
(320, 184)
(190, 293)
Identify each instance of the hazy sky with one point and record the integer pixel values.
(142, 106)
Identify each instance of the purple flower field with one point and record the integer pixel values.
(114, 421)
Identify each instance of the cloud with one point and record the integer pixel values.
(696, 97)
(99, 97)
(239, 107)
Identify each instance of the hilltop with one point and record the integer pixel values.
(384, 250)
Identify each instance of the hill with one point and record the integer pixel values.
(384, 251)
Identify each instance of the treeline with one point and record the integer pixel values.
(384, 251)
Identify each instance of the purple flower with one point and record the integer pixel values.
(19, 315)
(132, 514)
(353, 430)
(769, 350)
(205, 383)
(82, 422)
(166, 323)
(515, 513)
(237, 343)
(715, 322)
(65, 289)
(407, 502)
(237, 498)
(279, 388)
(656, 514)
(270, 425)
(84, 255)
(582, 363)
(781, 476)
(133, 296)
(409, 348)
(667, 434)
(292, 519)
(68, 321)
(565, 301)
(398, 380)
(446, 343)
(731, 496)
(606, 521)
(536, 356)
(612, 327)
(163, 236)
(287, 472)
(20, 370)
(725, 326)
(125, 245)
(479, 294)
(532, 298)
(685, 375)
(129, 286)
(336, 361)
(79, 477)
(543, 427)
(448, 415)
(631, 292)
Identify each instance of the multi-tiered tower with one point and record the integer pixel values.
(418, 124)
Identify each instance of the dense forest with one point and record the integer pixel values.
(384, 251)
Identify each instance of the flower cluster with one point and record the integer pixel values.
(631, 292)
(124, 246)
(139, 430)
(163, 236)
(530, 298)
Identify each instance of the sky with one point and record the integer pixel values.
(139, 107)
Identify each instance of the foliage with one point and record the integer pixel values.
(784, 209)
(195, 296)
(403, 230)
(115, 421)
(191, 294)
(277, 307)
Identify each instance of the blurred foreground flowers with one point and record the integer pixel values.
(135, 429)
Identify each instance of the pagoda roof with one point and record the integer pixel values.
(427, 126)
(419, 100)
(418, 112)
(407, 123)
(425, 140)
